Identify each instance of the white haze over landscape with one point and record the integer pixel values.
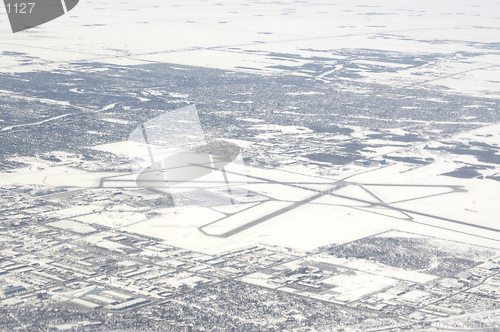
(241, 36)
(299, 210)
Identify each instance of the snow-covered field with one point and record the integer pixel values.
(377, 269)
(350, 288)
(258, 36)
(73, 226)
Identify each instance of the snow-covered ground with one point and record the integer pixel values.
(258, 36)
